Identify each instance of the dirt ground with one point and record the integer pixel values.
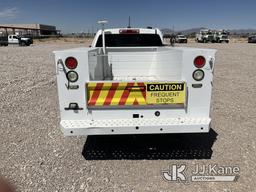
(35, 156)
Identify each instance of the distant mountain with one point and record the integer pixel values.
(196, 30)
(242, 31)
(193, 30)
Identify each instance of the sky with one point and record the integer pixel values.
(82, 15)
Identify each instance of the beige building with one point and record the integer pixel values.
(32, 29)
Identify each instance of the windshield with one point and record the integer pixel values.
(206, 32)
(130, 40)
(181, 36)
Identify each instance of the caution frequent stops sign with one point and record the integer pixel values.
(166, 93)
(135, 93)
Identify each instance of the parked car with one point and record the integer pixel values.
(181, 39)
(252, 39)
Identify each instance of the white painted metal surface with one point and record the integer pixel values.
(13, 39)
(135, 64)
(135, 126)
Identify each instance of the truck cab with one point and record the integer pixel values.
(13, 39)
(129, 37)
(128, 82)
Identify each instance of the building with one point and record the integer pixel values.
(30, 29)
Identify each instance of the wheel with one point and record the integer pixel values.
(22, 43)
(204, 41)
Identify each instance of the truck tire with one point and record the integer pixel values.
(22, 44)
(204, 41)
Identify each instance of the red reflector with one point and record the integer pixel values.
(199, 61)
(129, 31)
(71, 62)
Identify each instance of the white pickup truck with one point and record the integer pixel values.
(128, 82)
(19, 40)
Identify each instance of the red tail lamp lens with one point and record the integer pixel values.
(199, 61)
(71, 62)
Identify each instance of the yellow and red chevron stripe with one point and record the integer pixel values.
(114, 94)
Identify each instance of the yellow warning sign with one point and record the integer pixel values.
(166, 93)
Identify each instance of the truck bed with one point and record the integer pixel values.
(136, 64)
(135, 91)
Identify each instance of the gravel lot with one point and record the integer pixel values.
(35, 156)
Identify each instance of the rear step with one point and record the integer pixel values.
(135, 126)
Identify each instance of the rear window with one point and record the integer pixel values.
(130, 40)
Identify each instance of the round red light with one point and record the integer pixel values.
(199, 61)
(71, 62)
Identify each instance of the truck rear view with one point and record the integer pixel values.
(134, 86)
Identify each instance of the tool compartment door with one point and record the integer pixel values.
(139, 94)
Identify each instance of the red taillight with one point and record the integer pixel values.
(71, 62)
(199, 61)
(129, 31)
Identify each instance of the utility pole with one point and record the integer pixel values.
(92, 31)
(129, 22)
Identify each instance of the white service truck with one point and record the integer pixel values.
(205, 36)
(19, 40)
(128, 82)
(221, 36)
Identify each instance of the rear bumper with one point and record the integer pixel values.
(224, 40)
(182, 41)
(252, 41)
(134, 126)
